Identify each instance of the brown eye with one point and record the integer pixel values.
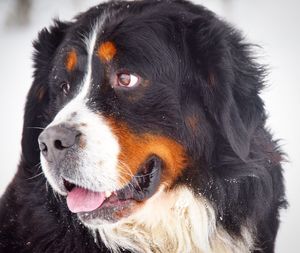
(127, 80)
(65, 87)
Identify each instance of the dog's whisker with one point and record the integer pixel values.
(125, 182)
(147, 174)
(35, 176)
(38, 165)
(47, 186)
(125, 169)
(39, 128)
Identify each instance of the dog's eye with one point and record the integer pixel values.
(127, 80)
(65, 87)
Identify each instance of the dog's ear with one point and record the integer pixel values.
(36, 107)
(234, 129)
(228, 80)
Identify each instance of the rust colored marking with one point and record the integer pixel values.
(82, 142)
(135, 149)
(107, 51)
(211, 79)
(40, 94)
(192, 123)
(71, 60)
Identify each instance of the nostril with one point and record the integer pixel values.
(58, 145)
(43, 147)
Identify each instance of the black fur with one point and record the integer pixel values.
(202, 69)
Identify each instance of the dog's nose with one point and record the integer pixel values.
(56, 140)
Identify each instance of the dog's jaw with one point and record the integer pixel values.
(173, 221)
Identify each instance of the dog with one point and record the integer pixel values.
(144, 131)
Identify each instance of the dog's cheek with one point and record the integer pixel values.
(136, 148)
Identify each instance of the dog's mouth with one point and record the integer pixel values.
(111, 206)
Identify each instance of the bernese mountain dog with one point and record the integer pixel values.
(144, 131)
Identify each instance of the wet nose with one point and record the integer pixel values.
(56, 140)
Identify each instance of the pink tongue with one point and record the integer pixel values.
(81, 200)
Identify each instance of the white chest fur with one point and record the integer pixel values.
(174, 221)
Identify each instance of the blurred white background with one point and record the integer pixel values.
(273, 24)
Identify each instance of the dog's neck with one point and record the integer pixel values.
(173, 221)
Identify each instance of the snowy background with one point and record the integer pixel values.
(273, 24)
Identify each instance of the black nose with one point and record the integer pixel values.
(56, 140)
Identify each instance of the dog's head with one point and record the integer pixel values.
(138, 98)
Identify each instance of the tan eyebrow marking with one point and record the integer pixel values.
(106, 51)
(192, 122)
(40, 93)
(71, 60)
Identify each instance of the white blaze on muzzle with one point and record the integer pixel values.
(98, 158)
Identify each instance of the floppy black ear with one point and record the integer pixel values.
(228, 79)
(234, 129)
(35, 116)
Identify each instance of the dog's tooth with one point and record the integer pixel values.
(107, 194)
